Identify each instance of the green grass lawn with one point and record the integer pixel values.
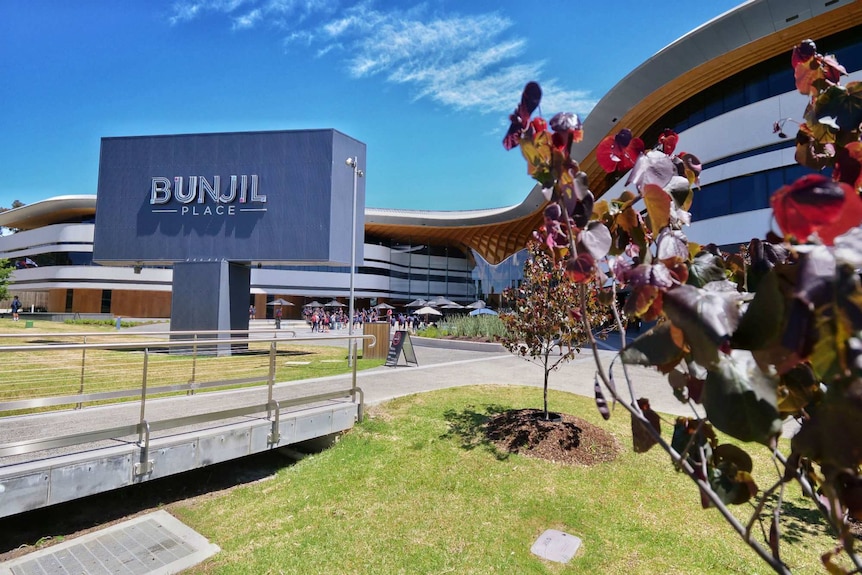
(411, 490)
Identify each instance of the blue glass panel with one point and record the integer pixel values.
(734, 99)
(714, 201)
(774, 180)
(756, 90)
(743, 196)
(713, 108)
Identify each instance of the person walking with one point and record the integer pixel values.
(16, 307)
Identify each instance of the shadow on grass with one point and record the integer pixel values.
(799, 521)
(468, 427)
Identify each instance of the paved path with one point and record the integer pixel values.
(440, 368)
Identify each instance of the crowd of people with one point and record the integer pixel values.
(323, 320)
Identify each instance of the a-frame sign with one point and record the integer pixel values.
(401, 343)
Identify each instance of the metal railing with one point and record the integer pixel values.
(200, 360)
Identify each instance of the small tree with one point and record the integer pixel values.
(545, 315)
(15, 204)
(5, 271)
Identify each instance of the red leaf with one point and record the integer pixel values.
(596, 238)
(849, 217)
(581, 269)
(642, 440)
(808, 204)
(668, 140)
(848, 165)
(803, 52)
(806, 75)
(619, 152)
(650, 415)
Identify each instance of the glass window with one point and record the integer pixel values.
(794, 172)
(106, 301)
(748, 193)
(740, 195)
(695, 208)
(735, 97)
(774, 180)
(781, 81)
(756, 90)
(714, 201)
(713, 108)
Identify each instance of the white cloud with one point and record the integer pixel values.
(461, 61)
(248, 20)
(186, 10)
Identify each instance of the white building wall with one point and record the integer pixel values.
(328, 284)
(738, 131)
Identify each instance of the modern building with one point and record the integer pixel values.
(721, 87)
(407, 255)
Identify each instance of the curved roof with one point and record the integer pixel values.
(494, 234)
(51, 211)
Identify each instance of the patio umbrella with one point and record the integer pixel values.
(279, 301)
(417, 303)
(440, 301)
(315, 303)
(334, 303)
(384, 306)
(478, 304)
(428, 311)
(452, 305)
(483, 311)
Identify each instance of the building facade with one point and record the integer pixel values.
(52, 248)
(722, 87)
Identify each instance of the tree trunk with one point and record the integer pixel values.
(547, 415)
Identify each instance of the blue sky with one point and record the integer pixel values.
(427, 86)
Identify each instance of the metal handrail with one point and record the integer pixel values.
(82, 334)
(143, 427)
(120, 393)
(175, 343)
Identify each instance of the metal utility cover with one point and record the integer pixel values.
(556, 546)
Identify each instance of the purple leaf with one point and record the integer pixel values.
(601, 403)
(530, 99)
(596, 238)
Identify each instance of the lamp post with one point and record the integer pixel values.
(357, 173)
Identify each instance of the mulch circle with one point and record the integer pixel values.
(565, 439)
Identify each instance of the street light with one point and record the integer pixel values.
(357, 173)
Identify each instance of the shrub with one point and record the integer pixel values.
(101, 322)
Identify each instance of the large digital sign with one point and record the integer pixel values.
(256, 197)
